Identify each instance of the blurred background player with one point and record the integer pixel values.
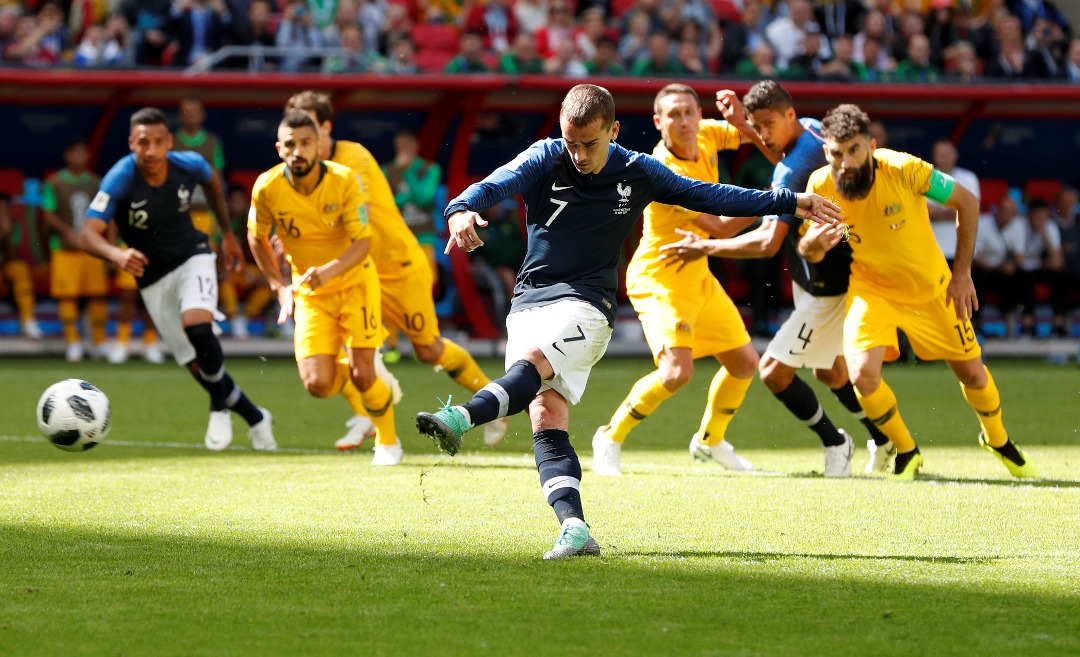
(147, 194)
(193, 137)
(15, 273)
(899, 279)
(321, 219)
(75, 274)
(131, 306)
(406, 286)
(248, 282)
(812, 336)
(945, 157)
(685, 312)
(415, 182)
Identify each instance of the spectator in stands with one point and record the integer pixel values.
(1065, 213)
(560, 27)
(149, 21)
(256, 32)
(839, 18)
(39, 41)
(495, 22)
(963, 64)
(97, 51)
(999, 249)
(787, 34)
(299, 33)
(372, 16)
(916, 67)
(591, 27)
(841, 68)
(944, 158)
(396, 27)
(741, 38)
(470, 57)
(531, 15)
(1042, 263)
(565, 62)
(347, 14)
(911, 24)
(357, 58)
(760, 64)
(197, 28)
(659, 62)
(942, 30)
(15, 273)
(522, 58)
(690, 58)
(875, 27)
(1072, 61)
(1047, 49)
(634, 43)
(1011, 59)
(807, 65)
(870, 68)
(9, 20)
(1030, 11)
(606, 60)
(402, 56)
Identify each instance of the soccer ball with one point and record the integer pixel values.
(73, 414)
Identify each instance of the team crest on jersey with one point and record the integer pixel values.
(892, 209)
(183, 194)
(624, 198)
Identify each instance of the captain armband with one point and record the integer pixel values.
(941, 186)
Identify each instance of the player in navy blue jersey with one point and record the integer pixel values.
(148, 195)
(583, 195)
(812, 336)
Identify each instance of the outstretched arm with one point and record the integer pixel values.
(727, 101)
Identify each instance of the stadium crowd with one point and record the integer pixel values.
(912, 41)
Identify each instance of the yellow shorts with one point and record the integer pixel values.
(702, 318)
(349, 318)
(125, 281)
(77, 274)
(203, 220)
(408, 305)
(932, 328)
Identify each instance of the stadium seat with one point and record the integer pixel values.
(992, 190)
(432, 61)
(435, 36)
(11, 182)
(727, 11)
(243, 178)
(1042, 188)
(620, 7)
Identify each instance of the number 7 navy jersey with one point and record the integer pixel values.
(155, 220)
(577, 222)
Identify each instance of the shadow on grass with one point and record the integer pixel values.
(614, 551)
(118, 593)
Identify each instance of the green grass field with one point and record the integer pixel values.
(150, 546)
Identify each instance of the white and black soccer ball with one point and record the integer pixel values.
(73, 414)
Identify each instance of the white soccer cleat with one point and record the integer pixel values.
(238, 326)
(32, 330)
(74, 353)
(153, 354)
(724, 454)
(388, 378)
(388, 454)
(219, 430)
(118, 355)
(262, 433)
(880, 457)
(360, 428)
(838, 457)
(495, 431)
(606, 454)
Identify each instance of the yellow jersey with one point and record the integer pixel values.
(661, 220)
(894, 253)
(315, 228)
(394, 247)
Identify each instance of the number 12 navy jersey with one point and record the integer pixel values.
(155, 220)
(577, 222)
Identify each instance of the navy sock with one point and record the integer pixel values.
(803, 404)
(211, 375)
(847, 397)
(560, 472)
(508, 395)
(236, 400)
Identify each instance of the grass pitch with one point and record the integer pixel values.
(149, 545)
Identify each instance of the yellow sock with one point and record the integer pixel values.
(726, 395)
(98, 311)
(644, 398)
(22, 288)
(987, 404)
(68, 311)
(378, 402)
(149, 336)
(462, 367)
(880, 406)
(123, 333)
(348, 389)
(227, 297)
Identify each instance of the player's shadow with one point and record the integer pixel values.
(613, 550)
(1009, 483)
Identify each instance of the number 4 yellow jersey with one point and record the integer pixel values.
(315, 228)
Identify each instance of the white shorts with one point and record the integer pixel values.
(813, 336)
(571, 334)
(191, 286)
